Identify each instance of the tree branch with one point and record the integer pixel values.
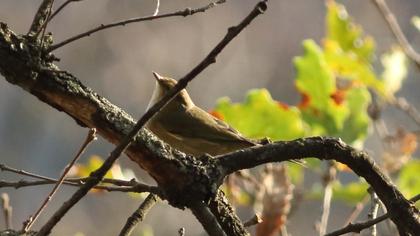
(207, 219)
(135, 187)
(226, 216)
(89, 138)
(139, 214)
(396, 30)
(184, 13)
(402, 212)
(70, 181)
(41, 17)
(60, 8)
(66, 93)
(358, 227)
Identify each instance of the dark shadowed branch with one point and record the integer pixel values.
(405, 215)
(207, 219)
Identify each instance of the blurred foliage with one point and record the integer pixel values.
(395, 70)
(416, 22)
(409, 179)
(351, 193)
(334, 80)
(94, 162)
(81, 170)
(145, 231)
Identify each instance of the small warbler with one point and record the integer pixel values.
(190, 129)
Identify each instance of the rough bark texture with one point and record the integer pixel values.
(23, 64)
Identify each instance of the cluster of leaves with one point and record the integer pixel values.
(336, 80)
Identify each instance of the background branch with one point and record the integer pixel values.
(358, 227)
(7, 210)
(60, 8)
(396, 30)
(184, 13)
(89, 138)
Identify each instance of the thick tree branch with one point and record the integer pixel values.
(226, 216)
(402, 212)
(207, 219)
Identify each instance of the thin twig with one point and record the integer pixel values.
(396, 30)
(41, 17)
(61, 7)
(186, 12)
(356, 211)
(328, 183)
(358, 227)
(48, 180)
(96, 176)
(207, 219)
(157, 8)
(373, 212)
(89, 138)
(44, 25)
(402, 104)
(23, 172)
(139, 214)
(7, 210)
(134, 187)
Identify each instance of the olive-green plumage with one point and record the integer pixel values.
(190, 129)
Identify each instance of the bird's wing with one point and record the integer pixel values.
(213, 129)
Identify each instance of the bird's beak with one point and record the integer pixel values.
(157, 76)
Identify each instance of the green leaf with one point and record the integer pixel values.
(356, 126)
(295, 172)
(314, 77)
(347, 66)
(316, 81)
(348, 51)
(395, 70)
(409, 179)
(146, 231)
(352, 193)
(260, 116)
(348, 35)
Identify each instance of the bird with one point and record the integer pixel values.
(190, 129)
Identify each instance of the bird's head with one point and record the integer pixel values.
(163, 85)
